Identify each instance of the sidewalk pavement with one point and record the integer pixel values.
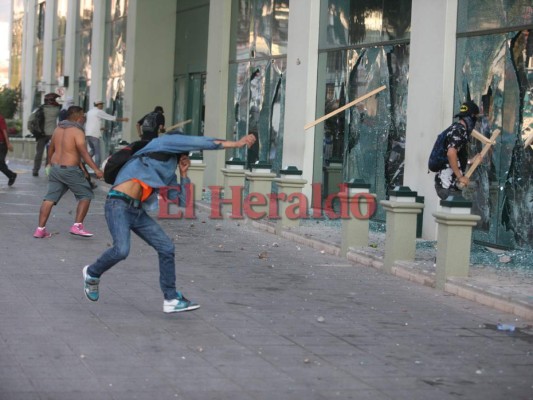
(279, 319)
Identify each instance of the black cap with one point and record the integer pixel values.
(158, 109)
(468, 108)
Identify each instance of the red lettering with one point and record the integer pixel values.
(317, 200)
(217, 201)
(355, 205)
(165, 202)
(329, 206)
(301, 206)
(260, 200)
(273, 208)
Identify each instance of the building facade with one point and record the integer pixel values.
(271, 66)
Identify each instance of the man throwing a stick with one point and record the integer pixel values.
(138, 183)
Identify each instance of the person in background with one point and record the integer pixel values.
(152, 124)
(69, 101)
(5, 146)
(51, 110)
(93, 128)
(67, 148)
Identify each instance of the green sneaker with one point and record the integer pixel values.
(179, 304)
(90, 285)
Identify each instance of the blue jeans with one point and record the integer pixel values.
(94, 145)
(122, 219)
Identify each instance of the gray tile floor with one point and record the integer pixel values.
(295, 325)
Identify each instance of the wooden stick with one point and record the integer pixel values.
(528, 141)
(179, 124)
(480, 157)
(476, 135)
(344, 107)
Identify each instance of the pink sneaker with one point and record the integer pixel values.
(41, 233)
(77, 229)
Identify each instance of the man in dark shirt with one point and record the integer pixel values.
(153, 123)
(458, 134)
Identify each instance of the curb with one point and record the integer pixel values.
(462, 287)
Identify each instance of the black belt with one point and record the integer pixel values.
(126, 199)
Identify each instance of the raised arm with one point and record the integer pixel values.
(247, 140)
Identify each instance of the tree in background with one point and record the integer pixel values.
(9, 101)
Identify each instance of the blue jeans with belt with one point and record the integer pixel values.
(122, 219)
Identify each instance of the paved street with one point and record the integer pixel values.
(277, 320)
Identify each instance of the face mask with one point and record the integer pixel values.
(470, 121)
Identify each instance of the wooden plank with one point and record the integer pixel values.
(480, 156)
(179, 124)
(344, 107)
(483, 139)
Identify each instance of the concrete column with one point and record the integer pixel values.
(28, 66)
(96, 91)
(49, 53)
(400, 238)
(300, 97)
(432, 62)
(151, 44)
(260, 181)
(216, 96)
(455, 224)
(234, 175)
(196, 174)
(354, 231)
(290, 186)
(70, 50)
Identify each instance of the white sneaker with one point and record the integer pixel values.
(179, 304)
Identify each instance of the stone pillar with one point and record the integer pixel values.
(260, 182)
(290, 186)
(196, 175)
(217, 86)
(400, 239)
(454, 237)
(333, 175)
(354, 231)
(233, 176)
(302, 67)
(432, 61)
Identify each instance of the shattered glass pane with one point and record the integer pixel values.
(240, 34)
(256, 105)
(477, 15)
(258, 100)
(353, 22)
(280, 27)
(496, 71)
(370, 137)
(116, 33)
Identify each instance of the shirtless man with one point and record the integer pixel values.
(67, 149)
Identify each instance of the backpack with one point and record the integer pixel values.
(117, 160)
(438, 157)
(36, 123)
(150, 123)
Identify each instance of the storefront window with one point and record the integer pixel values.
(257, 78)
(83, 60)
(369, 138)
(15, 59)
(479, 15)
(59, 37)
(355, 22)
(496, 71)
(115, 68)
